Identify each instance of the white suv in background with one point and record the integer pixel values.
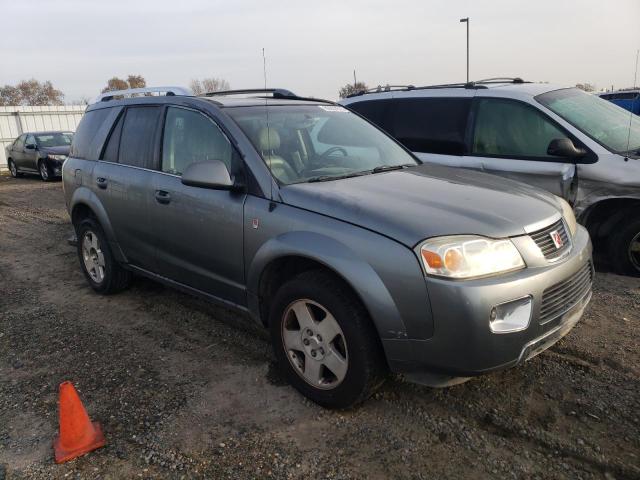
(563, 140)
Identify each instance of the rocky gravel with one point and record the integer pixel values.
(185, 389)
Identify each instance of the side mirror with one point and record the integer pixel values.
(31, 146)
(211, 174)
(564, 147)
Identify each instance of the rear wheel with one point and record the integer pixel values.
(13, 169)
(624, 248)
(324, 341)
(101, 270)
(45, 172)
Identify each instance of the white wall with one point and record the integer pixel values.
(15, 121)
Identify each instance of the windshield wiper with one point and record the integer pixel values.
(326, 178)
(388, 168)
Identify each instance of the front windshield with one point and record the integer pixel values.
(57, 139)
(600, 119)
(317, 142)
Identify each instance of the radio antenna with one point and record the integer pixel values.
(266, 111)
(635, 83)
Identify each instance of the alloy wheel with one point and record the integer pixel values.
(44, 173)
(93, 256)
(315, 344)
(13, 169)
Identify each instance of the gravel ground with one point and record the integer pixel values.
(185, 389)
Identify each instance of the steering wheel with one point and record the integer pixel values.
(333, 150)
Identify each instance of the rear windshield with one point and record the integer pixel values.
(58, 139)
(304, 143)
(610, 125)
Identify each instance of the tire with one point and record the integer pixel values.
(355, 350)
(13, 169)
(624, 248)
(45, 171)
(106, 276)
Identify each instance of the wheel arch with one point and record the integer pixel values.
(601, 217)
(285, 256)
(85, 202)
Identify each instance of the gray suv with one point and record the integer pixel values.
(571, 143)
(358, 258)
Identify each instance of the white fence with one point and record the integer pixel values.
(14, 121)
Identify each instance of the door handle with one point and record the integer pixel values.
(101, 182)
(163, 197)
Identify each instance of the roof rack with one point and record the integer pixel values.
(275, 92)
(475, 84)
(131, 92)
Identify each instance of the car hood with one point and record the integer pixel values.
(62, 150)
(426, 201)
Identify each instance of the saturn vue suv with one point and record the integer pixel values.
(358, 258)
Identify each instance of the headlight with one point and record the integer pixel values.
(569, 216)
(468, 256)
(60, 158)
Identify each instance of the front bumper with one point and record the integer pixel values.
(463, 344)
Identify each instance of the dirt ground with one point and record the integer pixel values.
(185, 389)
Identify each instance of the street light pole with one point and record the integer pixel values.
(466, 20)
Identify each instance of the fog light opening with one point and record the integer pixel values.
(512, 316)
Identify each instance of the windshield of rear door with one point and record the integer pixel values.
(613, 127)
(317, 142)
(54, 139)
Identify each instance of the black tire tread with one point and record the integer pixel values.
(117, 278)
(618, 244)
(374, 370)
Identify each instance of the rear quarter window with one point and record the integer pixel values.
(92, 132)
(431, 125)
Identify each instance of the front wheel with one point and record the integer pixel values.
(45, 171)
(13, 169)
(624, 248)
(324, 341)
(101, 270)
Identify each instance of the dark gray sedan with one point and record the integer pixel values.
(42, 153)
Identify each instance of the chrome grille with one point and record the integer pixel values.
(561, 297)
(545, 242)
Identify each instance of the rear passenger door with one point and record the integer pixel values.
(122, 181)
(510, 138)
(198, 231)
(17, 150)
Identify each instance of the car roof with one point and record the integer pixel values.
(251, 101)
(47, 132)
(503, 89)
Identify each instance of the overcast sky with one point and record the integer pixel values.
(312, 47)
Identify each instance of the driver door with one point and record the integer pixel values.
(510, 138)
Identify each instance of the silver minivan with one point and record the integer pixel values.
(571, 143)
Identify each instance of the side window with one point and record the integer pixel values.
(87, 141)
(111, 149)
(31, 140)
(431, 125)
(512, 129)
(138, 136)
(191, 137)
(376, 111)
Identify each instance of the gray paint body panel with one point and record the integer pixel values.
(364, 229)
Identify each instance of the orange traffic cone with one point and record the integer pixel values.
(77, 434)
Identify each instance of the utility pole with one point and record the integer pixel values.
(466, 20)
(355, 82)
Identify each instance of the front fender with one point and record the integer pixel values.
(342, 260)
(84, 196)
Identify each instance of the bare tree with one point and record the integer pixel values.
(351, 88)
(587, 87)
(132, 81)
(211, 84)
(31, 92)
